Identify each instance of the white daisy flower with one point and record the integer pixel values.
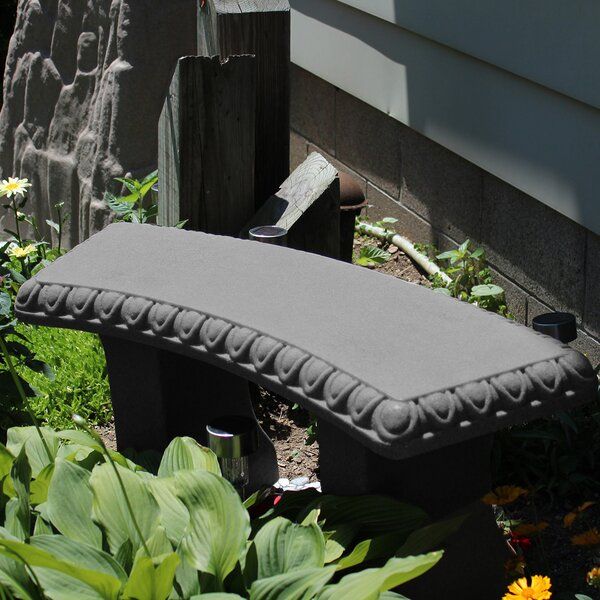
(13, 186)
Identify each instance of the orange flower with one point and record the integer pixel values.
(591, 537)
(593, 577)
(529, 528)
(570, 518)
(539, 589)
(505, 494)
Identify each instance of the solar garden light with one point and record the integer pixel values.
(269, 234)
(559, 325)
(233, 439)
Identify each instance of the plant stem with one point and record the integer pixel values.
(17, 227)
(21, 391)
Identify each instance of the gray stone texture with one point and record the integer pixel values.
(516, 298)
(409, 224)
(534, 245)
(211, 298)
(313, 109)
(368, 141)
(439, 185)
(298, 150)
(591, 316)
(83, 88)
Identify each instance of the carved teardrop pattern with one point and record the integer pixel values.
(383, 420)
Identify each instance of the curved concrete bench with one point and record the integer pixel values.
(407, 384)
(401, 369)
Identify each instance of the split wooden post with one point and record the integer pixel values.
(308, 206)
(260, 28)
(206, 145)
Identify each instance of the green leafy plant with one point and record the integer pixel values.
(371, 256)
(471, 279)
(133, 207)
(85, 522)
(21, 257)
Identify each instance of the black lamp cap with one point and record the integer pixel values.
(559, 325)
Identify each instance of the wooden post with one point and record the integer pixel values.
(308, 206)
(206, 145)
(261, 28)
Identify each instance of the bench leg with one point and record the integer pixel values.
(158, 395)
(441, 482)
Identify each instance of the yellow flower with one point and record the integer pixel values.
(570, 518)
(591, 537)
(19, 252)
(14, 186)
(527, 529)
(505, 494)
(538, 590)
(593, 577)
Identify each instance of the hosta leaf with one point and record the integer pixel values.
(69, 504)
(18, 513)
(370, 549)
(215, 596)
(150, 582)
(184, 453)
(431, 536)
(28, 437)
(6, 461)
(13, 574)
(40, 485)
(110, 507)
(369, 583)
(283, 546)
(219, 524)
(337, 541)
(174, 516)
(298, 585)
(107, 586)
(79, 554)
(377, 515)
(158, 545)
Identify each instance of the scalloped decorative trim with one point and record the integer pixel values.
(393, 428)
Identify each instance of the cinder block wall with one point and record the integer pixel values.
(542, 259)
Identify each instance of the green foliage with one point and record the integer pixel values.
(558, 457)
(21, 257)
(80, 384)
(79, 521)
(371, 256)
(471, 279)
(131, 208)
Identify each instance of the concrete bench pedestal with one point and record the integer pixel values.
(408, 385)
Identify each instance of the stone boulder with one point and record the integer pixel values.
(84, 85)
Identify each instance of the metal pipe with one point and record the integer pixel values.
(269, 234)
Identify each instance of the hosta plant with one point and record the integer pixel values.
(82, 522)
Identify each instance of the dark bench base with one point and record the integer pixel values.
(443, 482)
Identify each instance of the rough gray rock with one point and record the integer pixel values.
(83, 88)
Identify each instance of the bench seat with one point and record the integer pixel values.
(400, 368)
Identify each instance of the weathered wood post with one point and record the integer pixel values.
(206, 145)
(260, 28)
